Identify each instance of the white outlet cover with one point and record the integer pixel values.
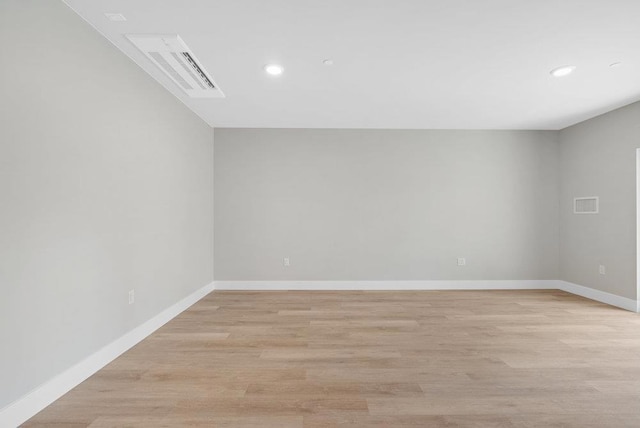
(116, 17)
(462, 261)
(286, 261)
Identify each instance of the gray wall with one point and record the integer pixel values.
(106, 183)
(598, 158)
(385, 205)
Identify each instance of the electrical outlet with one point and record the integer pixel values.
(602, 270)
(132, 296)
(462, 261)
(286, 262)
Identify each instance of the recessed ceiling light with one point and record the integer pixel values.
(563, 71)
(118, 17)
(615, 64)
(328, 62)
(274, 69)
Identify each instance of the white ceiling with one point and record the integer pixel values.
(416, 64)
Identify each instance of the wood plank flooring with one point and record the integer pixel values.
(372, 359)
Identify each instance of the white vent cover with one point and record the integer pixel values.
(175, 59)
(586, 205)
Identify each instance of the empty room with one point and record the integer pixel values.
(309, 214)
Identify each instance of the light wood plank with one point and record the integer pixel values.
(372, 359)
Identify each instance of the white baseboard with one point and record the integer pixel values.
(387, 285)
(24, 408)
(600, 296)
(548, 284)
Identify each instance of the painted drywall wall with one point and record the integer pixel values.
(106, 183)
(385, 204)
(598, 158)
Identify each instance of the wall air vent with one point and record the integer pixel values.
(586, 205)
(169, 53)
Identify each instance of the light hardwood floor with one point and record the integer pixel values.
(372, 359)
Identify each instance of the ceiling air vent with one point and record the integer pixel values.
(175, 59)
(586, 205)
